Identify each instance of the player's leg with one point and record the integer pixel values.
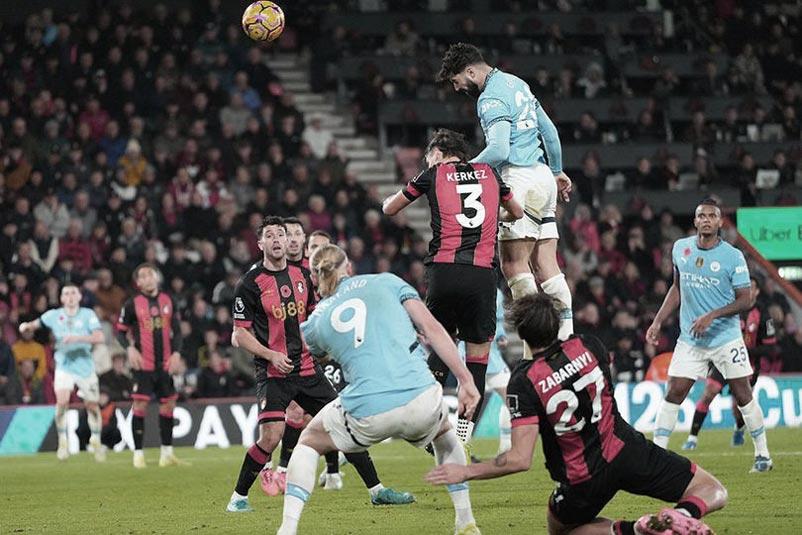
(143, 388)
(315, 393)
(738, 432)
(293, 425)
(314, 442)
(448, 450)
(515, 254)
(476, 356)
(440, 300)
(733, 361)
(504, 419)
(62, 405)
(165, 390)
(713, 386)
(687, 364)
(544, 257)
(89, 391)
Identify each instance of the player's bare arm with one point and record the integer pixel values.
(395, 203)
(27, 326)
(95, 338)
(670, 304)
(244, 338)
(517, 459)
(743, 302)
(441, 342)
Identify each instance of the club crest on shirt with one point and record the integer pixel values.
(300, 286)
(714, 266)
(700, 261)
(285, 291)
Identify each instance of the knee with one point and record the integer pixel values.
(268, 440)
(675, 395)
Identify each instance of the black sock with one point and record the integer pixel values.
(333, 462)
(138, 430)
(698, 420)
(255, 460)
(166, 429)
(288, 443)
(438, 368)
(624, 527)
(478, 372)
(692, 507)
(364, 466)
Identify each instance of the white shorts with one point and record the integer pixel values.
(497, 381)
(418, 422)
(731, 359)
(535, 189)
(88, 387)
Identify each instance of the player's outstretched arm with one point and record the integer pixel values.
(517, 459)
(551, 141)
(244, 338)
(497, 145)
(95, 338)
(26, 326)
(670, 304)
(444, 346)
(395, 203)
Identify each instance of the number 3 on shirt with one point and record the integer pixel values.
(471, 195)
(355, 323)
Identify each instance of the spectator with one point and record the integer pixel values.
(28, 349)
(317, 137)
(82, 210)
(133, 164)
(592, 82)
(402, 41)
(747, 72)
(116, 382)
(643, 176)
(9, 395)
(76, 248)
(109, 296)
(44, 247)
(53, 214)
(32, 387)
(215, 380)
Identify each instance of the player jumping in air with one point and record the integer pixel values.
(514, 123)
(711, 287)
(149, 330)
(757, 329)
(565, 395)
(271, 301)
(367, 324)
(464, 199)
(76, 329)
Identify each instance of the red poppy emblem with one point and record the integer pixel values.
(285, 291)
(154, 311)
(687, 251)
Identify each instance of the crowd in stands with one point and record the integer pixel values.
(163, 136)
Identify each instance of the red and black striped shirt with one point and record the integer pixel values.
(567, 391)
(464, 200)
(154, 324)
(274, 304)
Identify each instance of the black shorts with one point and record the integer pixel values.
(715, 377)
(274, 394)
(641, 468)
(156, 383)
(463, 299)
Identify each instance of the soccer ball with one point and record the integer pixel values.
(263, 21)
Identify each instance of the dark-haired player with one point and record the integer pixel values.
(149, 330)
(565, 394)
(464, 199)
(270, 303)
(522, 143)
(712, 287)
(757, 329)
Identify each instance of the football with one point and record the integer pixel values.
(263, 21)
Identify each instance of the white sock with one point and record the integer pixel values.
(61, 425)
(237, 496)
(95, 421)
(505, 428)
(521, 285)
(166, 451)
(666, 420)
(300, 483)
(558, 288)
(375, 490)
(692, 438)
(464, 430)
(447, 449)
(753, 418)
(138, 453)
(281, 469)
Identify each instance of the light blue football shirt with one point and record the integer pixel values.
(508, 98)
(73, 358)
(365, 328)
(495, 362)
(708, 279)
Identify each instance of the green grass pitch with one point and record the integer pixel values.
(38, 494)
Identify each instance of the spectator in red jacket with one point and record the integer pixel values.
(75, 247)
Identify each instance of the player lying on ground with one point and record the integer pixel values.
(711, 286)
(565, 394)
(466, 201)
(757, 329)
(271, 301)
(76, 329)
(367, 324)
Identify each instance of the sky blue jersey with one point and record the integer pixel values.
(73, 358)
(508, 98)
(365, 328)
(708, 279)
(495, 363)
